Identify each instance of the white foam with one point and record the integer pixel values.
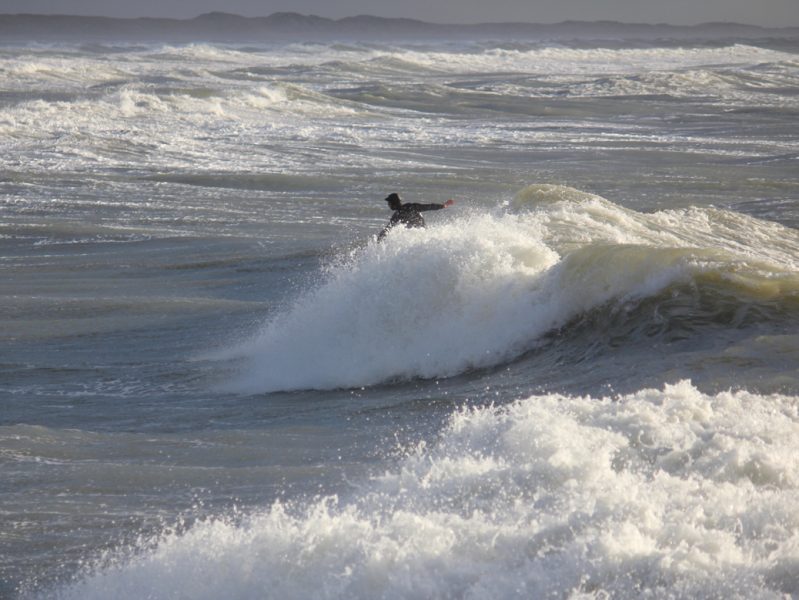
(399, 309)
(658, 494)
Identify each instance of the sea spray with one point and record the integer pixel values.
(399, 309)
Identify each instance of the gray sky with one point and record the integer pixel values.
(677, 12)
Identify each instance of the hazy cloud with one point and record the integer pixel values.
(678, 12)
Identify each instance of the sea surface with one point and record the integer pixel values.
(580, 381)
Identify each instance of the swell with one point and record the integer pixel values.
(707, 312)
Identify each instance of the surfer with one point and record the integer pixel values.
(408, 214)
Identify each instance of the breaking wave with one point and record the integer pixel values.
(480, 290)
(666, 493)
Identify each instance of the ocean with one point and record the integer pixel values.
(579, 381)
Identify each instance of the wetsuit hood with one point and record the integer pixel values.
(394, 201)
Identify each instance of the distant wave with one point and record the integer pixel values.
(201, 81)
(558, 59)
(478, 290)
(666, 493)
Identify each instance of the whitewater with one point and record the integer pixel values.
(659, 494)
(579, 381)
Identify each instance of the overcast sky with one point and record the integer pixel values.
(678, 12)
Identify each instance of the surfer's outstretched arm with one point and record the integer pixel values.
(433, 206)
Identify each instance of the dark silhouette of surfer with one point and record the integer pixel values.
(409, 215)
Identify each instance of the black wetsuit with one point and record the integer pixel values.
(409, 215)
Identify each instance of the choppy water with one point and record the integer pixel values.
(581, 380)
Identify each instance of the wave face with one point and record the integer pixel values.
(657, 494)
(478, 291)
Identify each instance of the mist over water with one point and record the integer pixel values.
(580, 380)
